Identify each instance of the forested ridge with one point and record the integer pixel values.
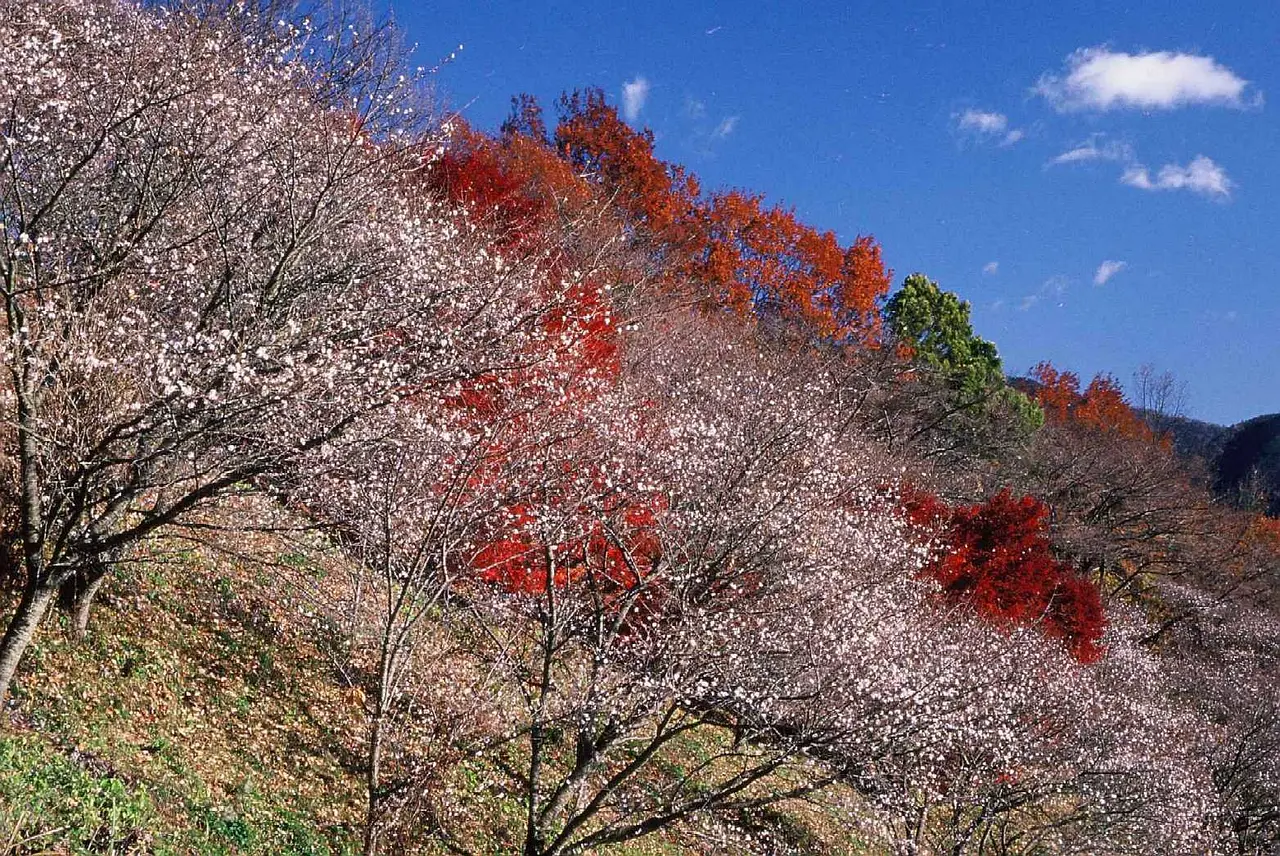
(375, 483)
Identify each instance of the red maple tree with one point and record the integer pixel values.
(996, 556)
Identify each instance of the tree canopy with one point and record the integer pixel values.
(935, 325)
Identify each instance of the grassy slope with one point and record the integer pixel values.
(215, 725)
(201, 717)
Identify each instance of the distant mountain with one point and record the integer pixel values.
(1249, 464)
(1191, 437)
(1243, 460)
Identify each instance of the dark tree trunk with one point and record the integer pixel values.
(373, 783)
(22, 629)
(75, 596)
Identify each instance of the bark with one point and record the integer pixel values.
(77, 592)
(22, 629)
(377, 732)
(533, 842)
(76, 595)
(373, 782)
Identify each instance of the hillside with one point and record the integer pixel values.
(375, 483)
(1243, 459)
(1249, 465)
(207, 714)
(1191, 437)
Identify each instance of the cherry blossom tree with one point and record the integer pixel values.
(702, 551)
(420, 491)
(650, 538)
(209, 267)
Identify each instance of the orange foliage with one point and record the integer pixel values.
(743, 255)
(1058, 392)
(515, 184)
(654, 197)
(765, 260)
(1102, 407)
(1264, 533)
(864, 282)
(733, 250)
(518, 188)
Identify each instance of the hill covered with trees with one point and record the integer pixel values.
(1243, 460)
(375, 483)
(1249, 464)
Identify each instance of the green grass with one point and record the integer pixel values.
(55, 802)
(48, 800)
(231, 732)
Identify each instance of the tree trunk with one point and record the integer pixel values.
(533, 830)
(373, 783)
(76, 595)
(22, 629)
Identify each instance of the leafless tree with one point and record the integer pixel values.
(1158, 393)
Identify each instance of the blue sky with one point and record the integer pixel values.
(941, 128)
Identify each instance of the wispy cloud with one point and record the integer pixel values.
(1054, 288)
(983, 122)
(988, 125)
(1106, 270)
(1096, 148)
(991, 268)
(704, 132)
(1099, 78)
(725, 128)
(1201, 176)
(634, 95)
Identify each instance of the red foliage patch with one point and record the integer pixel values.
(617, 553)
(996, 556)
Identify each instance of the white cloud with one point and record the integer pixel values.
(1106, 270)
(634, 94)
(725, 128)
(1095, 149)
(991, 268)
(982, 122)
(1098, 78)
(1201, 176)
(694, 108)
(988, 125)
